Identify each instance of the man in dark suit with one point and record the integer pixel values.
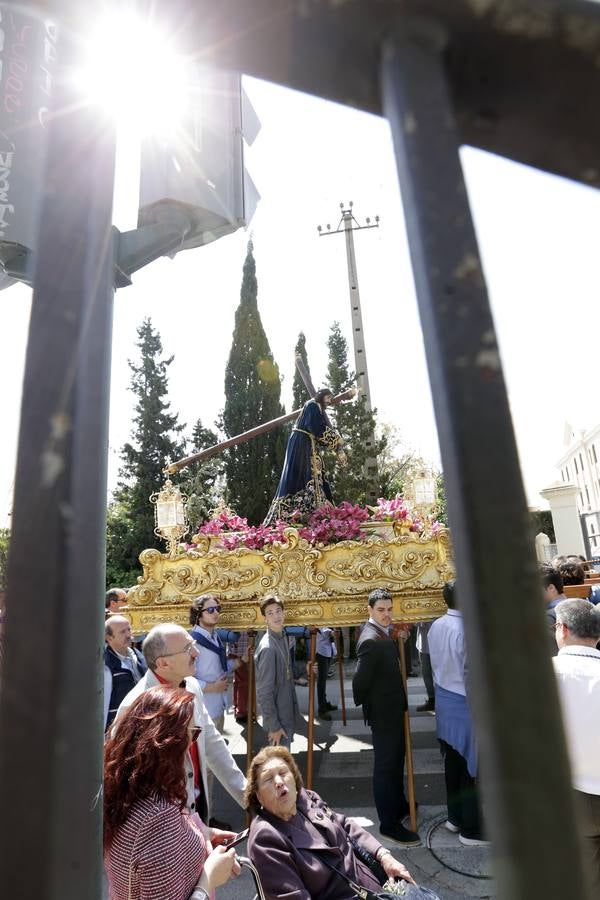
(377, 687)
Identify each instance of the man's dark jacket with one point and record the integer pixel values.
(377, 684)
(122, 679)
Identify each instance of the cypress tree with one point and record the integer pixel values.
(154, 443)
(356, 425)
(299, 392)
(203, 480)
(252, 396)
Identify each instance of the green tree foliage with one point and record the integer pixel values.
(203, 480)
(154, 443)
(4, 544)
(441, 504)
(299, 392)
(394, 463)
(541, 520)
(252, 396)
(356, 425)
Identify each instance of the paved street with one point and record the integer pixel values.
(342, 775)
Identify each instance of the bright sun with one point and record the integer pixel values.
(130, 69)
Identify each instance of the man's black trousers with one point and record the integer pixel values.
(388, 773)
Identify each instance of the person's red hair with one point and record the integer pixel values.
(146, 754)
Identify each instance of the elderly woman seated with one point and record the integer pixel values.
(297, 842)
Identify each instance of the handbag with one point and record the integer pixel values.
(391, 888)
(399, 888)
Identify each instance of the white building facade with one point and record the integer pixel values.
(580, 466)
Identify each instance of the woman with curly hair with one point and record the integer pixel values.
(154, 848)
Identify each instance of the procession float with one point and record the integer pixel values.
(324, 570)
(322, 559)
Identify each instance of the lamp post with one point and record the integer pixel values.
(421, 492)
(170, 515)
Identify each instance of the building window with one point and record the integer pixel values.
(581, 461)
(587, 494)
(575, 464)
(567, 471)
(594, 453)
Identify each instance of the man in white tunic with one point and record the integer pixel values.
(577, 668)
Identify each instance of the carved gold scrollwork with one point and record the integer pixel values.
(147, 594)
(376, 564)
(326, 585)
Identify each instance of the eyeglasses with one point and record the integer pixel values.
(191, 645)
(195, 732)
(212, 609)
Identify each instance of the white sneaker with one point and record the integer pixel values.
(473, 842)
(451, 826)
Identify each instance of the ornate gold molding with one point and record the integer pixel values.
(320, 585)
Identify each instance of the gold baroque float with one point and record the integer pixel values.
(325, 585)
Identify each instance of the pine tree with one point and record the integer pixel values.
(203, 480)
(154, 444)
(356, 425)
(299, 391)
(252, 396)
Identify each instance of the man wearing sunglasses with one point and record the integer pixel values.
(171, 656)
(212, 665)
(212, 668)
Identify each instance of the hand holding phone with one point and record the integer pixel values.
(238, 839)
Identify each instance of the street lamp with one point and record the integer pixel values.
(421, 492)
(170, 515)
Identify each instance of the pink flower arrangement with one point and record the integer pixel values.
(329, 524)
(255, 537)
(391, 509)
(224, 521)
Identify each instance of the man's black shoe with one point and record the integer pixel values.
(331, 707)
(216, 823)
(241, 720)
(428, 706)
(401, 835)
(324, 714)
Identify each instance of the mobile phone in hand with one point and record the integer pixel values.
(242, 836)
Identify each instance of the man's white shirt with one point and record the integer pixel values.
(577, 670)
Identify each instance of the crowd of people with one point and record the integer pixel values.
(164, 709)
(164, 718)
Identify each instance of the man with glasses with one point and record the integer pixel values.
(577, 668)
(115, 600)
(212, 665)
(171, 657)
(212, 668)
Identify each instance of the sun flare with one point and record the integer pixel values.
(130, 70)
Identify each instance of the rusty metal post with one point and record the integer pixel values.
(51, 699)
(251, 705)
(341, 674)
(311, 707)
(410, 770)
(526, 790)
